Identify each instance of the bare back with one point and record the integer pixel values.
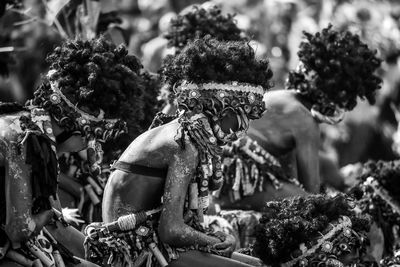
(288, 131)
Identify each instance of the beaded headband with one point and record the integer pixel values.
(216, 97)
(382, 193)
(55, 97)
(72, 118)
(228, 86)
(344, 226)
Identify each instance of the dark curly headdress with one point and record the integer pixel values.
(152, 85)
(335, 68)
(199, 22)
(208, 61)
(307, 231)
(379, 196)
(94, 87)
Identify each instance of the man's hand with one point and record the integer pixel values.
(72, 216)
(227, 246)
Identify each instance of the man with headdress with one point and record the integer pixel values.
(197, 21)
(312, 231)
(89, 90)
(335, 69)
(378, 195)
(178, 164)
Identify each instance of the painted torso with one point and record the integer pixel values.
(128, 192)
(284, 129)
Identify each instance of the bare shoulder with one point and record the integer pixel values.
(183, 154)
(10, 132)
(279, 97)
(284, 105)
(283, 101)
(10, 128)
(178, 139)
(161, 143)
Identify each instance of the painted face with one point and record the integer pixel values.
(74, 142)
(231, 124)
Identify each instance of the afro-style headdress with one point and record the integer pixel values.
(210, 76)
(199, 22)
(309, 231)
(335, 68)
(94, 87)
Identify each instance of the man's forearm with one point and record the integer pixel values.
(185, 236)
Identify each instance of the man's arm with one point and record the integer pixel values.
(68, 184)
(18, 191)
(172, 228)
(307, 144)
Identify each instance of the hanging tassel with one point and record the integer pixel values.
(238, 178)
(158, 255)
(193, 196)
(256, 176)
(247, 187)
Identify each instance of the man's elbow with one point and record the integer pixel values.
(170, 235)
(19, 230)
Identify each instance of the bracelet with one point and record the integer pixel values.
(60, 218)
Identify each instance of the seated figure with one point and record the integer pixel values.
(335, 69)
(378, 194)
(312, 231)
(90, 88)
(156, 196)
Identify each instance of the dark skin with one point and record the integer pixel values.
(289, 132)
(20, 223)
(126, 193)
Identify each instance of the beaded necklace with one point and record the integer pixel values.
(198, 130)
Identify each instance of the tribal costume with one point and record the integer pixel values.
(88, 202)
(239, 223)
(311, 231)
(140, 238)
(35, 135)
(391, 261)
(64, 99)
(378, 191)
(203, 104)
(248, 168)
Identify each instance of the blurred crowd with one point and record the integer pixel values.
(275, 27)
